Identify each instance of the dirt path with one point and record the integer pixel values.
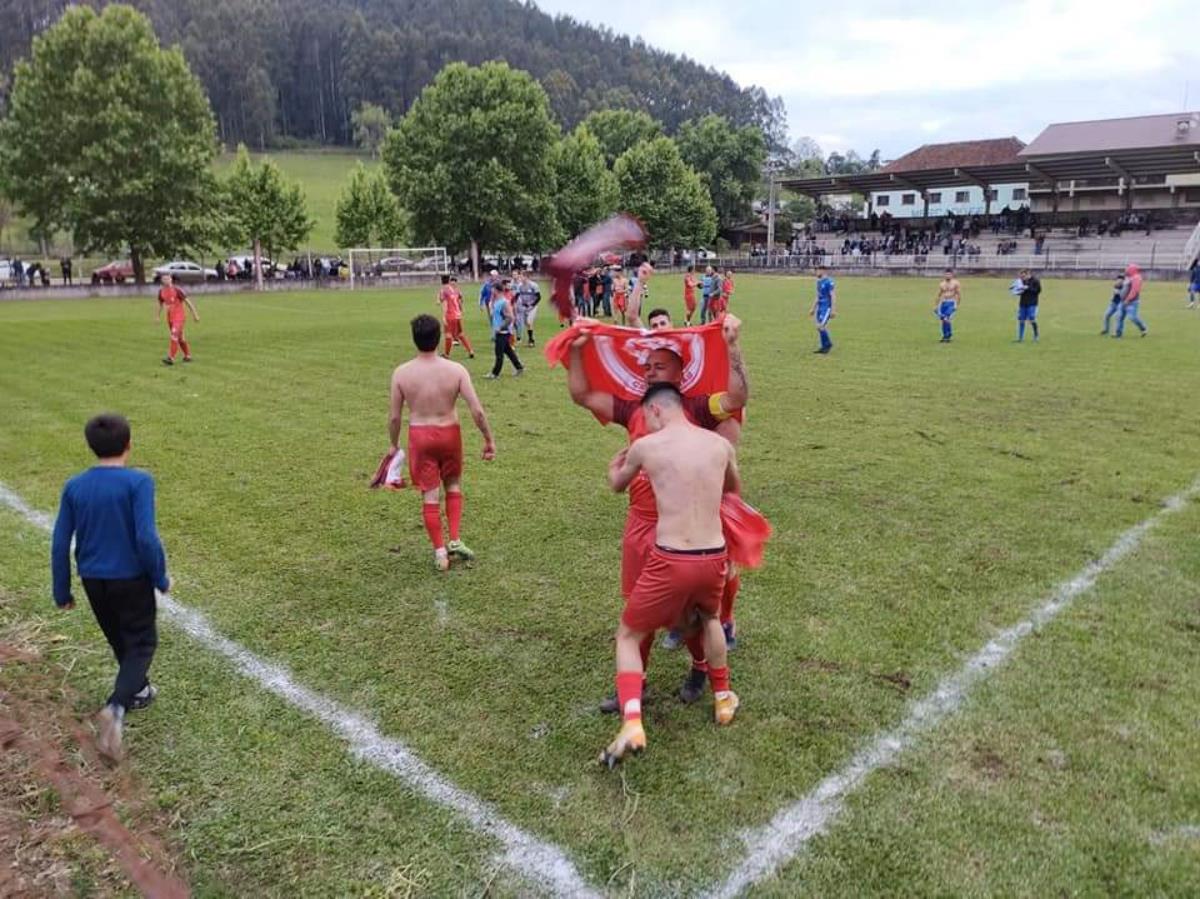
(59, 824)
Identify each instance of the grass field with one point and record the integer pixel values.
(923, 497)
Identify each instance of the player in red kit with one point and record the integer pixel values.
(689, 295)
(176, 303)
(450, 299)
(713, 412)
(687, 470)
(430, 387)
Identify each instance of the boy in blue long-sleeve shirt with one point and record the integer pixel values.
(109, 510)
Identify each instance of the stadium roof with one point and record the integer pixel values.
(960, 153)
(1113, 148)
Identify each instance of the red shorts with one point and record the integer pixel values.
(434, 454)
(672, 585)
(636, 543)
(175, 325)
(689, 302)
(454, 328)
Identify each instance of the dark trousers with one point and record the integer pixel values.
(504, 348)
(125, 611)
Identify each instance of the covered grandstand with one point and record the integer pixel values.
(1098, 193)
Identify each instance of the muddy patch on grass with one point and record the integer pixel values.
(60, 832)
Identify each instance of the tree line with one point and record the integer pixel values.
(284, 70)
(110, 137)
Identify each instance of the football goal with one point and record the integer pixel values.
(396, 265)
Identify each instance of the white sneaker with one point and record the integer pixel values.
(110, 722)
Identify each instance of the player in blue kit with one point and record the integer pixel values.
(1194, 285)
(823, 308)
(949, 296)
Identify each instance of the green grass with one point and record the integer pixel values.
(923, 496)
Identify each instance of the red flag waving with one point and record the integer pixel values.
(614, 360)
(620, 232)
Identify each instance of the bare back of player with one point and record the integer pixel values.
(689, 468)
(684, 578)
(430, 386)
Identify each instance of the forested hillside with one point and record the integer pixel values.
(286, 70)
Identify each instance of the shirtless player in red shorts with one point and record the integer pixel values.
(689, 469)
(714, 412)
(431, 386)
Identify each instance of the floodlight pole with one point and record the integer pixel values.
(771, 194)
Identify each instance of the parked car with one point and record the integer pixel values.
(392, 265)
(185, 272)
(117, 272)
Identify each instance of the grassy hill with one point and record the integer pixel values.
(321, 174)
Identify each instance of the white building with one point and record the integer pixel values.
(908, 201)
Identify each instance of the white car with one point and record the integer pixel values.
(185, 273)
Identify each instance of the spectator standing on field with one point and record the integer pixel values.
(65, 265)
(503, 322)
(1131, 301)
(1031, 292)
(109, 511)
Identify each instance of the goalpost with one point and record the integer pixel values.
(397, 266)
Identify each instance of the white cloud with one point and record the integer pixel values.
(878, 73)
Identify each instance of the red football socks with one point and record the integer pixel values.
(629, 694)
(719, 678)
(462, 338)
(454, 503)
(729, 597)
(432, 514)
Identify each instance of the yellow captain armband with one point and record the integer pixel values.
(714, 406)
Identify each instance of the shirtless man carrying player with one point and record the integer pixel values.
(683, 577)
(431, 386)
(714, 412)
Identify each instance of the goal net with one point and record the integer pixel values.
(396, 265)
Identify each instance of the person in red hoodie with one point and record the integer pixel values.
(1131, 300)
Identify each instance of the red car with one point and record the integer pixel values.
(113, 273)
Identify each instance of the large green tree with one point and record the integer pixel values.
(265, 209)
(619, 129)
(471, 161)
(666, 194)
(368, 214)
(110, 137)
(585, 191)
(729, 159)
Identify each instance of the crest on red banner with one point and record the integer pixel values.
(615, 358)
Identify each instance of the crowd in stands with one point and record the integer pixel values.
(1127, 221)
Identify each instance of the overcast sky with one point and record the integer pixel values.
(867, 73)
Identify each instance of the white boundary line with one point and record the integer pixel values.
(537, 860)
(774, 844)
